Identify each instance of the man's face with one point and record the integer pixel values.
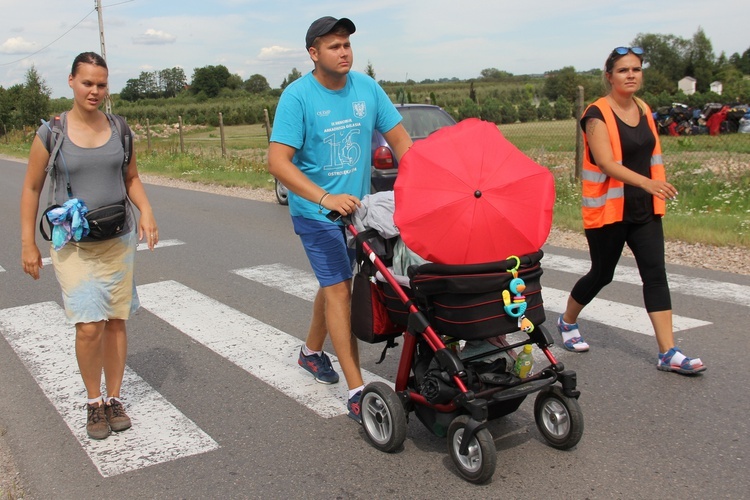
(333, 55)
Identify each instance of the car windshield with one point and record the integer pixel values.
(420, 122)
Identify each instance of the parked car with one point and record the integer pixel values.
(419, 120)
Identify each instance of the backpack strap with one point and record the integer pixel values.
(54, 141)
(126, 137)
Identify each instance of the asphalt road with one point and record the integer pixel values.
(236, 425)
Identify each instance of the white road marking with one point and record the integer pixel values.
(43, 340)
(615, 314)
(1, 269)
(161, 244)
(47, 261)
(303, 284)
(260, 349)
(678, 283)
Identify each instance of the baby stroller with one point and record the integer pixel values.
(456, 396)
(476, 211)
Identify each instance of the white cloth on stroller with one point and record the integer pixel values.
(376, 212)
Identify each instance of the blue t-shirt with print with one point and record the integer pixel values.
(332, 133)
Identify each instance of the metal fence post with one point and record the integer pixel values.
(182, 142)
(148, 136)
(267, 124)
(221, 133)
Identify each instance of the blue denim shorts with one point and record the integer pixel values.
(325, 245)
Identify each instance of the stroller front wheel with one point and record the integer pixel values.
(479, 464)
(383, 417)
(559, 418)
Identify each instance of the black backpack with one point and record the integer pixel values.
(56, 136)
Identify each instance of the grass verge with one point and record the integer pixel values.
(713, 206)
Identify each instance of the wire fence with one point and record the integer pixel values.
(557, 144)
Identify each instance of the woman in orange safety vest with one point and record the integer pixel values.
(624, 193)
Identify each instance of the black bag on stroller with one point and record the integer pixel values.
(370, 320)
(467, 302)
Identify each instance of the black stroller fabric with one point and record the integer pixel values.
(465, 302)
(370, 321)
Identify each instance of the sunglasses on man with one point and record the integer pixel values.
(624, 50)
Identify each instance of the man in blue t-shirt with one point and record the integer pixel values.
(321, 151)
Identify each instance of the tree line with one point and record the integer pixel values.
(495, 95)
(667, 59)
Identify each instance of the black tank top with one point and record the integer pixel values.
(637, 145)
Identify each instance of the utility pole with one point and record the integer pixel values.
(107, 100)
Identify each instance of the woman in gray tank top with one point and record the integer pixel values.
(96, 277)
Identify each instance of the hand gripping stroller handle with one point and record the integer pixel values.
(334, 216)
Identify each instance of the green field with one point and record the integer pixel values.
(712, 174)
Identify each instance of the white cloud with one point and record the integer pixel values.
(154, 37)
(17, 45)
(277, 52)
(421, 38)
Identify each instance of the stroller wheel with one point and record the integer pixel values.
(559, 418)
(383, 417)
(479, 464)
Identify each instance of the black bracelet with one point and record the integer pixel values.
(320, 203)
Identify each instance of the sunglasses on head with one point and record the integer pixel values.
(624, 50)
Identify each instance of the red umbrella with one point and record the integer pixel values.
(466, 195)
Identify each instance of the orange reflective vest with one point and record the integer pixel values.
(604, 196)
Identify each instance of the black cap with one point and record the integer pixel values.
(325, 25)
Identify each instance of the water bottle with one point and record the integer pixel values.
(524, 362)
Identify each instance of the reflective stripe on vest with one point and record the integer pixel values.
(603, 198)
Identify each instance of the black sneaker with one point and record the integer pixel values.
(319, 366)
(116, 417)
(96, 422)
(355, 411)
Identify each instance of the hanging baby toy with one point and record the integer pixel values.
(516, 306)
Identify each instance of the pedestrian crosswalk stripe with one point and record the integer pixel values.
(47, 261)
(43, 340)
(260, 349)
(678, 283)
(616, 314)
(41, 337)
(302, 283)
(161, 244)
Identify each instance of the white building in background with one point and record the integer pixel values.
(717, 87)
(687, 85)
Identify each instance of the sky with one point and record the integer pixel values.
(415, 39)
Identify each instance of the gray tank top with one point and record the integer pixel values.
(96, 174)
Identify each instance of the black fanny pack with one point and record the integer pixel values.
(105, 222)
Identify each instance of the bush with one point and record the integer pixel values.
(563, 109)
(469, 109)
(509, 113)
(527, 112)
(545, 111)
(491, 111)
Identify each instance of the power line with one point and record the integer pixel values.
(49, 44)
(61, 36)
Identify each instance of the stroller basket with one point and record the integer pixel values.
(466, 302)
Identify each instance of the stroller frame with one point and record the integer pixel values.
(452, 401)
